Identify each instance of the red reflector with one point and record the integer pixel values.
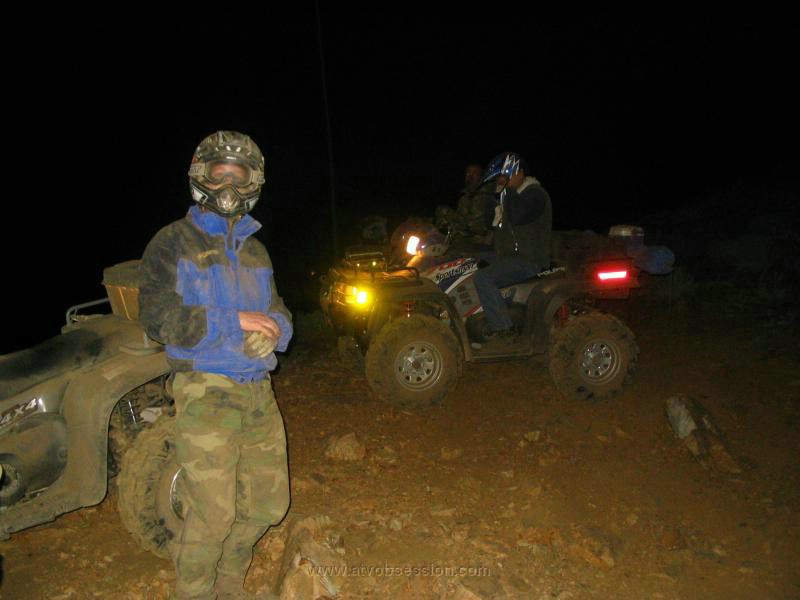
(608, 275)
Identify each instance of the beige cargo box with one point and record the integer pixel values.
(122, 285)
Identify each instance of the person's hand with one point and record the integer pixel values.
(516, 180)
(259, 321)
(258, 344)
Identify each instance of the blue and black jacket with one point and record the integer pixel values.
(197, 274)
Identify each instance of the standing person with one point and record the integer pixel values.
(523, 225)
(209, 295)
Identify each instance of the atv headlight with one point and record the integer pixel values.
(358, 296)
(411, 247)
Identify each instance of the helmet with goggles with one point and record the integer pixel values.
(227, 173)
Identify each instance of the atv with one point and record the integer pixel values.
(86, 406)
(411, 323)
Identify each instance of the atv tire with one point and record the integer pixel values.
(413, 362)
(592, 356)
(146, 485)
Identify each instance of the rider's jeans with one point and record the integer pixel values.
(488, 281)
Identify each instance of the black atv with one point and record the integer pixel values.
(83, 407)
(413, 323)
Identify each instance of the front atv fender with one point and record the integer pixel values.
(88, 401)
(431, 302)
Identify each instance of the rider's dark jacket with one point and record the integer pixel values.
(526, 225)
(197, 274)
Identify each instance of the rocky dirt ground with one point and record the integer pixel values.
(507, 490)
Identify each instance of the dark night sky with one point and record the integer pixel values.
(619, 113)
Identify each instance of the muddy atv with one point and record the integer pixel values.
(86, 406)
(412, 326)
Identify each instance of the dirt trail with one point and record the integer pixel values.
(507, 490)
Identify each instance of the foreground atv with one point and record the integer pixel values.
(82, 407)
(414, 325)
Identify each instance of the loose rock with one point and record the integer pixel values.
(346, 447)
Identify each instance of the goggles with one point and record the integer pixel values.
(227, 171)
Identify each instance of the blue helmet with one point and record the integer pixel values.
(507, 163)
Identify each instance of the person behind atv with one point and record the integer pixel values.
(470, 222)
(209, 295)
(523, 226)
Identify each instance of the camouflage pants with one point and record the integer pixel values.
(231, 443)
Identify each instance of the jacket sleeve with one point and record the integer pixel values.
(278, 311)
(163, 313)
(524, 208)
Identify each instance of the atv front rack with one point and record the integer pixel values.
(386, 275)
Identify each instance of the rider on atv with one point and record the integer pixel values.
(469, 224)
(523, 225)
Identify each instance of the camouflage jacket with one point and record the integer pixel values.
(197, 274)
(475, 208)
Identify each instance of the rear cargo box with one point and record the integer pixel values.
(122, 285)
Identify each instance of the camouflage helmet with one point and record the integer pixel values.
(227, 173)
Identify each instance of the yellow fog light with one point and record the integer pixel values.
(352, 295)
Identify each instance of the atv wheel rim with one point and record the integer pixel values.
(599, 361)
(175, 503)
(418, 366)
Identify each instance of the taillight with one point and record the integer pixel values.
(613, 279)
(612, 275)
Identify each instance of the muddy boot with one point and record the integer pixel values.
(230, 588)
(241, 594)
(173, 595)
